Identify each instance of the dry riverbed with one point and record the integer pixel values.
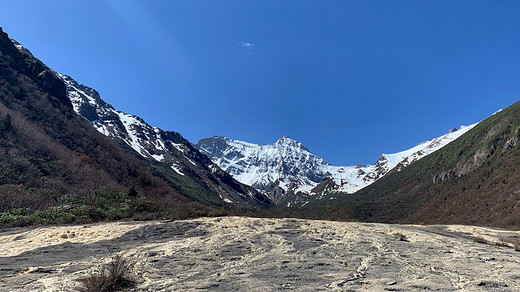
(248, 254)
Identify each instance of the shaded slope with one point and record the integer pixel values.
(473, 180)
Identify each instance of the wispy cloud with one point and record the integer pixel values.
(246, 45)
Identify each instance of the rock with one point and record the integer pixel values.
(401, 237)
(491, 284)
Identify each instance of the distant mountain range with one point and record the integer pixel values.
(288, 172)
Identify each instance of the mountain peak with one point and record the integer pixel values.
(287, 142)
(285, 138)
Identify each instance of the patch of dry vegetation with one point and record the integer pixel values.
(111, 277)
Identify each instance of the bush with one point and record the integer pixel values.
(114, 214)
(56, 215)
(19, 217)
(17, 220)
(111, 277)
(141, 204)
(90, 212)
(78, 208)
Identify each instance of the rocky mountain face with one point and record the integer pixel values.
(473, 180)
(155, 144)
(288, 172)
(49, 154)
(275, 169)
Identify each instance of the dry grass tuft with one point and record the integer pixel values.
(111, 277)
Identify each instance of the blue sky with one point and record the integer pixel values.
(348, 79)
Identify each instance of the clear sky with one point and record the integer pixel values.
(348, 79)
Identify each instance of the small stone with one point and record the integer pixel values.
(287, 286)
(64, 235)
(491, 284)
(43, 270)
(391, 283)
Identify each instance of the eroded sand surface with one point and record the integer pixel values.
(247, 254)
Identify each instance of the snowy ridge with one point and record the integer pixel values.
(288, 167)
(143, 138)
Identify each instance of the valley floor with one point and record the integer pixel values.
(249, 254)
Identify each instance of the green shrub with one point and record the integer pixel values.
(56, 215)
(114, 214)
(79, 208)
(18, 217)
(141, 204)
(90, 212)
(21, 211)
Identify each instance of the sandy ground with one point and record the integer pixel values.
(247, 254)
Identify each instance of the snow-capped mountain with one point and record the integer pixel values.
(289, 168)
(153, 143)
(272, 169)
